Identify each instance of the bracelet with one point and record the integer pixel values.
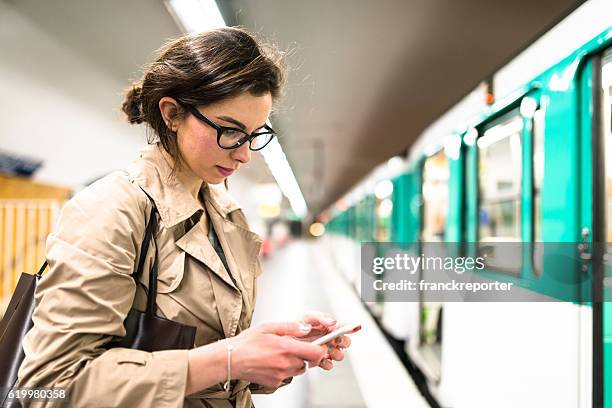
(230, 347)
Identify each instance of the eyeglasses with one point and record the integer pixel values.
(232, 138)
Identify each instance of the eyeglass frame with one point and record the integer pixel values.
(220, 129)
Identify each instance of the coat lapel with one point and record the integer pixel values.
(244, 243)
(246, 263)
(195, 242)
(241, 248)
(232, 289)
(228, 298)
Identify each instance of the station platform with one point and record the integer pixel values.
(300, 277)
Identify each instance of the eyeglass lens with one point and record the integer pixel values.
(233, 138)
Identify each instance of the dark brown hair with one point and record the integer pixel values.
(201, 69)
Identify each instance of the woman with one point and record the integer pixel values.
(206, 98)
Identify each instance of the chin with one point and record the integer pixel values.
(214, 180)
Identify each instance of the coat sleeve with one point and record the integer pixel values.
(82, 301)
(260, 389)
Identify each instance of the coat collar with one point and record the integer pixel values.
(174, 203)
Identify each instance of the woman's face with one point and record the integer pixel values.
(197, 141)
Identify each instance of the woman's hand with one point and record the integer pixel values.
(269, 353)
(322, 324)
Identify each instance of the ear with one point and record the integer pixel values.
(169, 107)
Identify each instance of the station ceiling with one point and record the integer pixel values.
(367, 77)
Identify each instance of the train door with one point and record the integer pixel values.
(596, 220)
(607, 309)
(401, 319)
(426, 348)
(600, 176)
(528, 352)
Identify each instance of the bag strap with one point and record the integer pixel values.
(41, 270)
(144, 249)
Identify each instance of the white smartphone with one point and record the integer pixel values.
(336, 333)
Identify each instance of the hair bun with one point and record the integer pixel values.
(132, 105)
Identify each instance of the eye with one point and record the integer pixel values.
(230, 133)
(230, 137)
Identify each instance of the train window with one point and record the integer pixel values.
(606, 82)
(499, 175)
(384, 210)
(436, 173)
(538, 172)
(435, 197)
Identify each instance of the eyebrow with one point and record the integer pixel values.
(236, 122)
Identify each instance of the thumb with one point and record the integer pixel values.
(293, 329)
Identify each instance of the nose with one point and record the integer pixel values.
(242, 153)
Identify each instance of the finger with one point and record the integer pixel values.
(300, 367)
(294, 329)
(304, 350)
(342, 342)
(326, 364)
(336, 354)
(311, 364)
(316, 318)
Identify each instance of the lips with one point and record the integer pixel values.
(225, 172)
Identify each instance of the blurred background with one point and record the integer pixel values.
(402, 120)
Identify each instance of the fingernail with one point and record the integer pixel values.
(305, 327)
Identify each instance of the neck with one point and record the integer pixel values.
(184, 175)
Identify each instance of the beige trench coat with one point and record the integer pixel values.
(85, 296)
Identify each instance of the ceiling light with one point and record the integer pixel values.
(385, 208)
(317, 229)
(281, 170)
(470, 137)
(528, 107)
(452, 146)
(395, 164)
(195, 15)
(383, 189)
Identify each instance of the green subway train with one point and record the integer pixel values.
(533, 166)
